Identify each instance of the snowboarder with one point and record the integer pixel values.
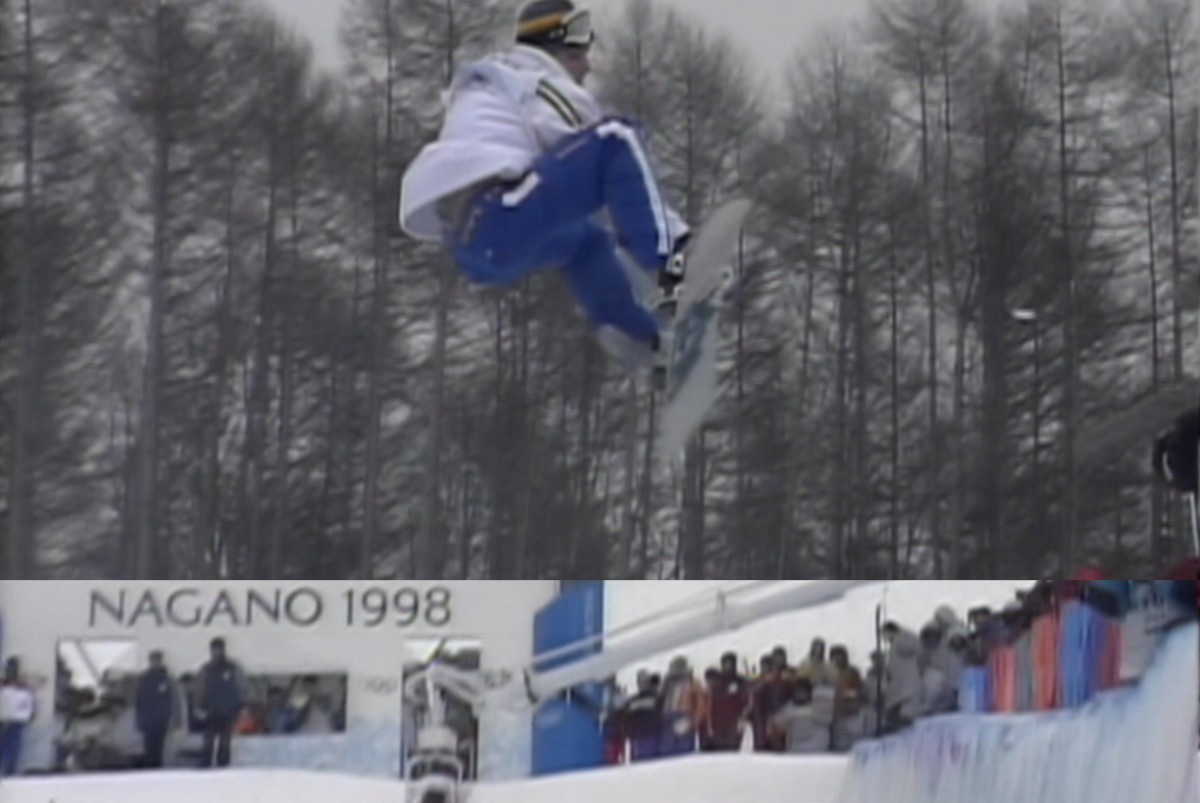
(525, 158)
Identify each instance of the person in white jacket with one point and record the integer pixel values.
(18, 707)
(525, 158)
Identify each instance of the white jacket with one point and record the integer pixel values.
(503, 113)
(18, 704)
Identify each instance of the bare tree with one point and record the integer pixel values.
(19, 560)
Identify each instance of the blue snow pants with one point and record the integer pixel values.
(11, 736)
(544, 220)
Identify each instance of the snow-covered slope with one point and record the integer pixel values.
(695, 779)
(698, 779)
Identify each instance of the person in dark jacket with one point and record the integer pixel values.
(157, 708)
(769, 694)
(850, 698)
(729, 707)
(221, 691)
(642, 718)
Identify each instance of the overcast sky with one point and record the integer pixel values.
(768, 30)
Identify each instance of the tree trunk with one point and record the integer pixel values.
(894, 362)
(379, 344)
(258, 400)
(992, 471)
(1179, 526)
(1070, 533)
(17, 558)
(147, 518)
(949, 265)
(280, 519)
(1158, 543)
(209, 543)
(429, 560)
(624, 568)
(836, 562)
(750, 558)
(933, 479)
(428, 567)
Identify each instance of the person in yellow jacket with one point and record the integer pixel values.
(684, 704)
(815, 668)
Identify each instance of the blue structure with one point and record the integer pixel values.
(567, 731)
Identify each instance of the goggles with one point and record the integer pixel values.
(573, 29)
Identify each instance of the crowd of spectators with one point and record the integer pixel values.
(1055, 645)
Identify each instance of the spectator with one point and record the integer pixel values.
(18, 707)
(613, 725)
(803, 724)
(728, 707)
(787, 672)
(950, 654)
(157, 708)
(903, 695)
(251, 720)
(683, 703)
(711, 676)
(849, 698)
(325, 717)
(769, 695)
(191, 694)
(815, 668)
(641, 719)
(300, 702)
(954, 660)
(947, 620)
(779, 656)
(936, 695)
(222, 689)
(277, 718)
(988, 627)
(874, 691)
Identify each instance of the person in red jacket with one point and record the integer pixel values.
(728, 707)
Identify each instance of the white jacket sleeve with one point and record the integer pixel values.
(556, 108)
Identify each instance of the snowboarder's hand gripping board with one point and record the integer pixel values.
(691, 382)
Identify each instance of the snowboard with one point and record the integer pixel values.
(694, 338)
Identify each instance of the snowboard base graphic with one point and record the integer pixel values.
(691, 380)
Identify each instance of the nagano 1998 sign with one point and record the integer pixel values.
(298, 606)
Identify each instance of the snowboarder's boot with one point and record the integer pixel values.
(664, 307)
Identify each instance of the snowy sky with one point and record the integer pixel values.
(768, 30)
(850, 621)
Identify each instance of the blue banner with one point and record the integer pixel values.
(567, 732)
